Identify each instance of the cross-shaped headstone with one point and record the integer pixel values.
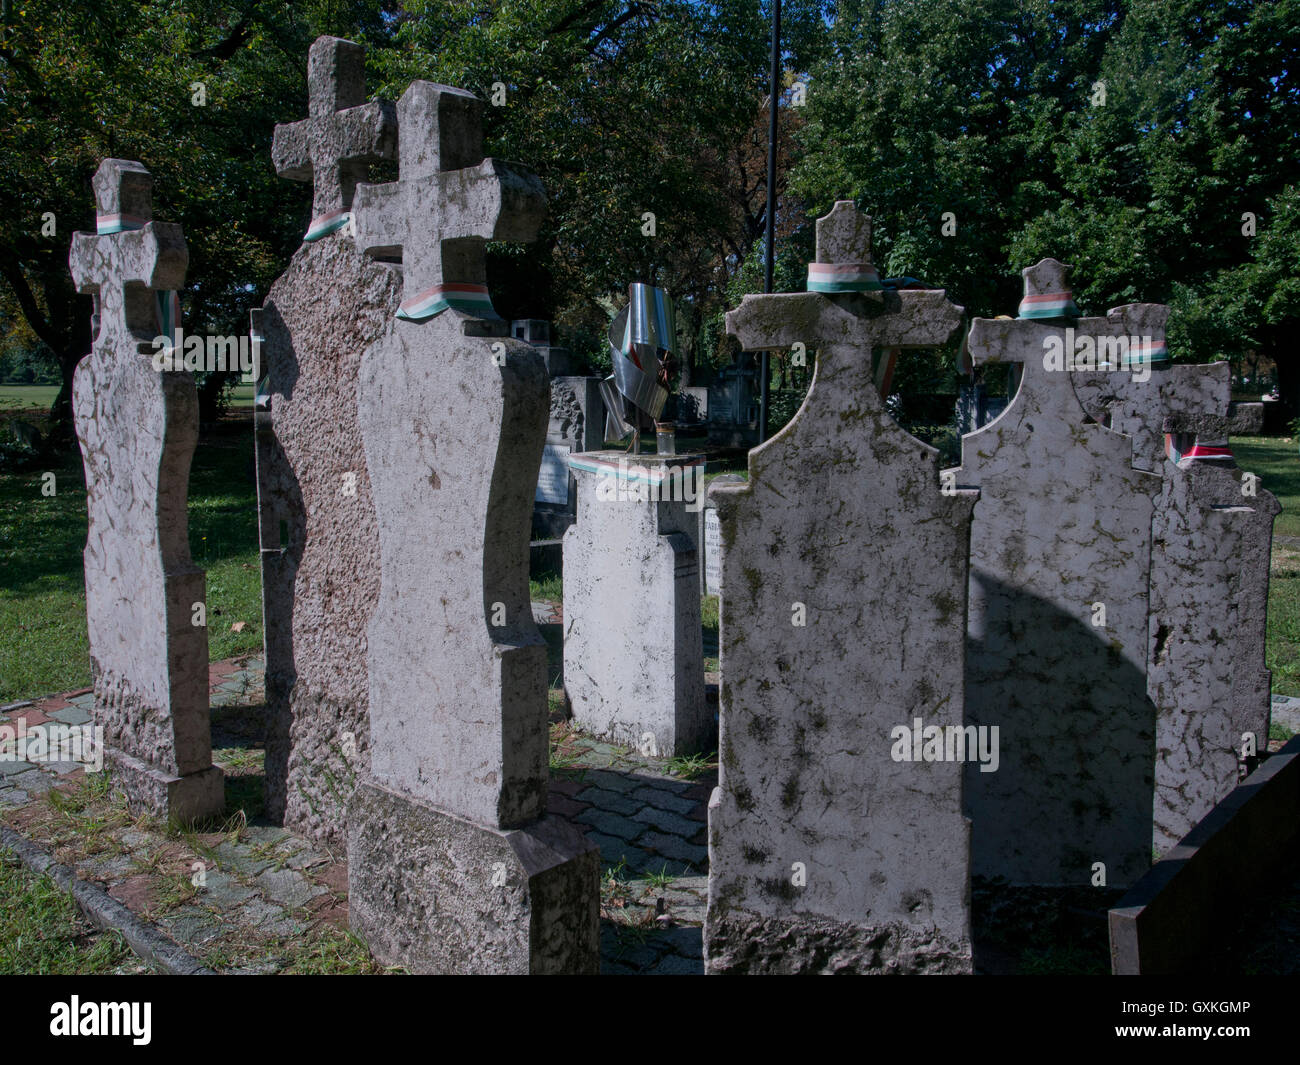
(1139, 405)
(341, 137)
(447, 203)
(846, 304)
(1060, 552)
(131, 256)
(841, 474)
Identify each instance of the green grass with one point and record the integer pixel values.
(1277, 462)
(42, 931)
(43, 645)
(22, 396)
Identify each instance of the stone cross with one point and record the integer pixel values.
(319, 543)
(132, 257)
(454, 864)
(342, 135)
(825, 850)
(137, 428)
(1056, 653)
(448, 202)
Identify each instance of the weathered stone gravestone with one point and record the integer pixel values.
(1211, 542)
(453, 864)
(320, 556)
(1057, 649)
(633, 650)
(835, 845)
(138, 427)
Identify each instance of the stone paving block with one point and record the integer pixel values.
(132, 839)
(676, 847)
(610, 781)
(564, 806)
(287, 887)
(664, 799)
(11, 768)
(669, 822)
(263, 834)
(190, 926)
(610, 801)
(33, 783)
(13, 796)
(269, 918)
(614, 850)
(233, 856)
(87, 700)
(72, 715)
(223, 891)
(108, 866)
(611, 824)
(613, 968)
(63, 768)
(628, 951)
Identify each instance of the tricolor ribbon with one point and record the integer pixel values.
(327, 224)
(167, 313)
(843, 277)
(1180, 452)
(1154, 352)
(450, 295)
(117, 223)
(1049, 305)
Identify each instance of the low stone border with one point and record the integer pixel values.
(104, 911)
(1178, 912)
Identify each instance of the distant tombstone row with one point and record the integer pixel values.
(892, 723)
(1033, 666)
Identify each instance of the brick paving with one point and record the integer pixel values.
(251, 897)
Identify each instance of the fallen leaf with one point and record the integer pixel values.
(239, 626)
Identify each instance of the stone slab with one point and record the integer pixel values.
(1192, 897)
(439, 894)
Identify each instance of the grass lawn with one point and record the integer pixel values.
(1277, 462)
(43, 647)
(43, 932)
(19, 397)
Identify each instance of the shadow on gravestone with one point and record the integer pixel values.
(1057, 633)
(320, 560)
(138, 426)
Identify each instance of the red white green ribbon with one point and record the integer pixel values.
(327, 224)
(1179, 453)
(1148, 351)
(450, 295)
(106, 224)
(167, 312)
(843, 277)
(1049, 305)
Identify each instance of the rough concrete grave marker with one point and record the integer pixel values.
(843, 621)
(1211, 542)
(137, 428)
(633, 648)
(320, 555)
(1057, 651)
(453, 865)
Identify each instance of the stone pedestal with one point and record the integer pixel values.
(439, 894)
(633, 656)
